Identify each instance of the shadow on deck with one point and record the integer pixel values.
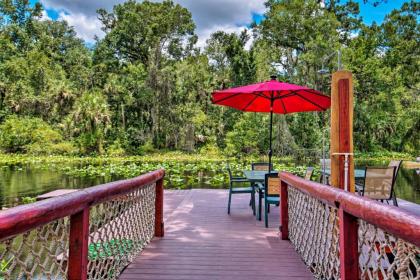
(203, 242)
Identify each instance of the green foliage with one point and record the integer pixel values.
(147, 148)
(112, 248)
(28, 200)
(146, 86)
(31, 135)
(60, 148)
(91, 118)
(115, 149)
(248, 136)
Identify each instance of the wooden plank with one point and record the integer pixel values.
(284, 211)
(349, 251)
(341, 127)
(55, 193)
(203, 242)
(78, 245)
(159, 226)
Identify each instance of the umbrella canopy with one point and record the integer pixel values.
(283, 98)
(272, 97)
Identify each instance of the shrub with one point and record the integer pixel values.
(115, 149)
(211, 149)
(32, 135)
(62, 148)
(146, 148)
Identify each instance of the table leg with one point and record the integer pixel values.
(253, 199)
(259, 203)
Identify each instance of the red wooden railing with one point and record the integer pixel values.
(77, 205)
(352, 210)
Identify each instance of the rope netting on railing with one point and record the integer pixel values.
(89, 234)
(36, 254)
(383, 256)
(314, 232)
(119, 230)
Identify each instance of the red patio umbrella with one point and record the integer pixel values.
(272, 97)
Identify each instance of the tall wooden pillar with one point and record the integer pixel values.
(342, 129)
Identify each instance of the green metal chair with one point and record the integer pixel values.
(260, 166)
(235, 190)
(271, 193)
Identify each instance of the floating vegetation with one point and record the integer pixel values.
(182, 170)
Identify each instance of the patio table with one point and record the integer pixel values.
(257, 176)
(358, 173)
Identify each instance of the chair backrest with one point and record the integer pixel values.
(272, 184)
(397, 165)
(379, 182)
(309, 172)
(229, 170)
(325, 163)
(261, 166)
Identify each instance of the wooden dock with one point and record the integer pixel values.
(203, 242)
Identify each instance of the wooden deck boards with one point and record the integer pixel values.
(203, 242)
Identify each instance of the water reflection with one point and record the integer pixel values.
(25, 181)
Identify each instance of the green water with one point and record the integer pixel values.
(28, 181)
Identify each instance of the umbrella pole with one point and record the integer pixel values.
(270, 152)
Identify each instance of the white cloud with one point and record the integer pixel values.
(209, 15)
(44, 16)
(203, 35)
(87, 27)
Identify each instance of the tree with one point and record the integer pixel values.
(144, 32)
(91, 119)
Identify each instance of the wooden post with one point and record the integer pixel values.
(349, 249)
(284, 211)
(342, 129)
(78, 245)
(159, 227)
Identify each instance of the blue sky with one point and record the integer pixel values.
(209, 15)
(377, 14)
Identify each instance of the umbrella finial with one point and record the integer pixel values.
(273, 77)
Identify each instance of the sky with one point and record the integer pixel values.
(209, 15)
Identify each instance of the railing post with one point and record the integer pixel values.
(159, 227)
(349, 246)
(284, 211)
(78, 245)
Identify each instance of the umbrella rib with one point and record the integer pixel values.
(315, 92)
(236, 94)
(304, 98)
(286, 95)
(284, 107)
(250, 102)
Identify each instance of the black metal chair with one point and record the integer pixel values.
(397, 165)
(308, 173)
(379, 183)
(236, 190)
(325, 164)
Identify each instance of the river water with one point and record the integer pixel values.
(17, 182)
